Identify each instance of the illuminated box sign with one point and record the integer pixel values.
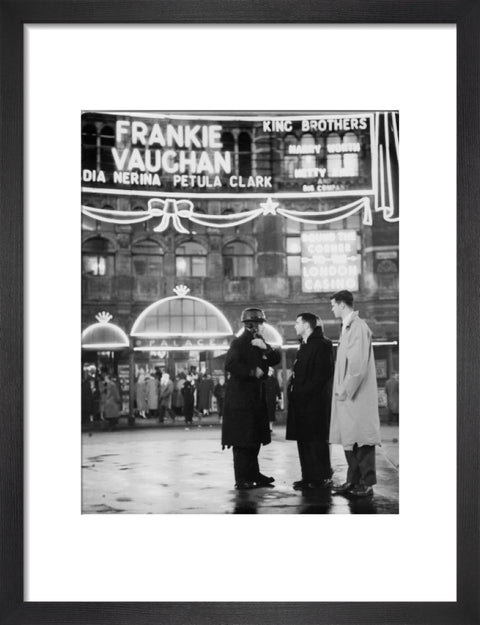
(176, 154)
(181, 344)
(330, 261)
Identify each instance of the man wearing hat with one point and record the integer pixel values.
(245, 424)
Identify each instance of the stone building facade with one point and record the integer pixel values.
(127, 266)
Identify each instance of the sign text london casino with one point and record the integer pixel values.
(190, 154)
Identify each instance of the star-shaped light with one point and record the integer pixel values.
(269, 207)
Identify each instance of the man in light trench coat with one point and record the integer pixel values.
(355, 423)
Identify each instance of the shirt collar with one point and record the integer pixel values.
(348, 320)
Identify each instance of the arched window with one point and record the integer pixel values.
(228, 142)
(291, 159)
(334, 157)
(342, 155)
(147, 258)
(107, 141)
(89, 147)
(191, 260)
(351, 147)
(308, 155)
(237, 260)
(97, 257)
(244, 154)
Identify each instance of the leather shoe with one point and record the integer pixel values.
(326, 483)
(299, 484)
(244, 485)
(264, 480)
(361, 490)
(343, 489)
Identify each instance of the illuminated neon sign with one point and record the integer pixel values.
(171, 153)
(330, 261)
(174, 159)
(181, 344)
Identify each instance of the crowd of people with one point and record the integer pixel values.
(189, 395)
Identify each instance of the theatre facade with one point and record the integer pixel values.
(187, 218)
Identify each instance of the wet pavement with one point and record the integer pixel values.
(173, 470)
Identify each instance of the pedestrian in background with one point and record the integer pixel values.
(355, 421)
(245, 424)
(188, 393)
(166, 392)
(151, 393)
(393, 404)
(219, 393)
(310, 401)
(141, 394)
(204, 394)
(177, 399)
(110, 401)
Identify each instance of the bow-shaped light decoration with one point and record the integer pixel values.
(170, 210)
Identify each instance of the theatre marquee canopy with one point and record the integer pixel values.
(181, 323)
(104, 336)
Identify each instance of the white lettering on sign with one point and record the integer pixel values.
(310, 172)
(180, 136)
(304, 149)
(133, 177)
(334, 124)
(172, 343)
(172, 161)
(263, 182)
(330, 261)
(341, 148)
(277, 125)
(201, 182)
(90, 175)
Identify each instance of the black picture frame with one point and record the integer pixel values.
(466, 15)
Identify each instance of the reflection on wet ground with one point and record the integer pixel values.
(312, 502)
(173, 471)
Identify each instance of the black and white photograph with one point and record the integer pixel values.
(207, 322)
(240, 312)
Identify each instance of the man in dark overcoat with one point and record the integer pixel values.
(245, 424)
(309, 403)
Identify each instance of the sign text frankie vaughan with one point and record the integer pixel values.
(174, 155)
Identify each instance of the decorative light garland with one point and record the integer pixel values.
(171, 211)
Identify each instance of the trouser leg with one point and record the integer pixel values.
(353, 473)
(314, 460)
(361, 465)
(245, 463)
(303, 461)
(366, 462)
